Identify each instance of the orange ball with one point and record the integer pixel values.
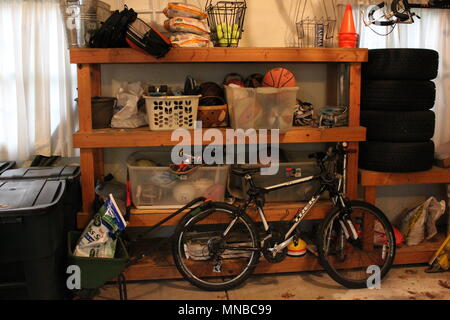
(279, 78)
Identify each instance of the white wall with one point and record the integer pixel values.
(268, 23)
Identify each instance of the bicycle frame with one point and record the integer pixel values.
(337, 198)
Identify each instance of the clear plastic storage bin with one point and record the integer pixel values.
(171, 112)
(287, 172)
(156, 187)
(261, 108)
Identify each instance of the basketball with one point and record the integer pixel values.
(279, 78)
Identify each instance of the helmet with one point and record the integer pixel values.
(297, 248)
(333, 117)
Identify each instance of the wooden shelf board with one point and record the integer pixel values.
(273, 211)
(143, 137)
(160, 265)
(188, 55)
(373, 178)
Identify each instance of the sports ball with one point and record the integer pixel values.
(184, 192)
(279, 78)
(145, 163)
(234, 78)
(254, 81)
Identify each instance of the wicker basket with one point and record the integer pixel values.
(213, 116)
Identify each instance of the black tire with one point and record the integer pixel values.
(331, 260)
(394, 126)
(396, 156)
(189, 223)
(401, 64)
(395, 95)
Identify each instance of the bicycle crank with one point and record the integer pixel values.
(269, 249)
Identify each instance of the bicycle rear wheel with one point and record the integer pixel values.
(216, 249)
(348, 261)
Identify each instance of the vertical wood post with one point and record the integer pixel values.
(89, 85)
(353, 121)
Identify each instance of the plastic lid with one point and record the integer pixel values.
(27, 194)
(41, 173)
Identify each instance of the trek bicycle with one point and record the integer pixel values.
(216, 246)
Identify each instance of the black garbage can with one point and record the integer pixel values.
(6, 165)
(32, 239)
(72, 196)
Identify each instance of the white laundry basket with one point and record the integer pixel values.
(172, 112)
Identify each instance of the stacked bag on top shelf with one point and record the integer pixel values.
(187, 24)
(396, 98)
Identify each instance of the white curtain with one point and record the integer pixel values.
(432, 31)
(37, 83)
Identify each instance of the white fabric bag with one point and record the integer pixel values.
(129, 115)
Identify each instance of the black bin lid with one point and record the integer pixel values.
(61, 172)
(26, 195)
(5, 165)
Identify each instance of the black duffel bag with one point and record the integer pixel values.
(112, 32)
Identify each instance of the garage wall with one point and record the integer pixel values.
(269, 23)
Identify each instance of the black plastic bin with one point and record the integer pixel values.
(32, 239)
(6, 165)
(72, 197)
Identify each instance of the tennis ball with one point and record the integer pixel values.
(219, 34)
(223, 42)
(219, 31)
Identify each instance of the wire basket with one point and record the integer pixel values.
(226, 21)
(317, 31)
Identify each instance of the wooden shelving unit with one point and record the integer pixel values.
(143, 137)
(371, 179)
(274, 212)
(92, 142)
(189, 55)
(160, 265)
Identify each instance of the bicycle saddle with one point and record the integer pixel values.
(243, 171)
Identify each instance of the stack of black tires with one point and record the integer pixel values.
(396, 98)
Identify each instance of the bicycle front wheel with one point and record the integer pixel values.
(217, 249)
(352, 262)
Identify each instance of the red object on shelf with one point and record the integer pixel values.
(348, 38)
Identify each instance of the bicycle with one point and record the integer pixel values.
(389, 14)
(216, 246)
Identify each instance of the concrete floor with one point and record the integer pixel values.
(402, 283)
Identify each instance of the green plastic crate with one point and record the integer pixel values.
(95, 272)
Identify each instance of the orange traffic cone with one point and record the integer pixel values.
(348, 37)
